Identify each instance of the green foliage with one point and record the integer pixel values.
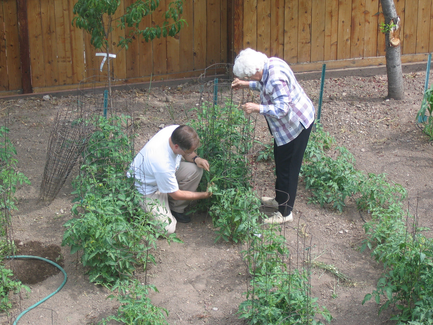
(407, 283)
(267, 153)
(267, 251)
(332, 180)
(8, 285)
(226, 138)
(97, 18)
(135, 307)
(111, 229)
(386, 28)
(235, 213)
(281, 297)
(426, 107)
(10, 178)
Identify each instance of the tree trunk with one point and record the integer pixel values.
(393, 51)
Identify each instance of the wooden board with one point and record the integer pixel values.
(304, 31)
(224, 21)
(423, 28)
(118, 64)
(344, 29)
(63, 40)
(291, 31)
(36, 43)
(331, 30)
(11, 76)
(76, 47)
(410, 26)
(370, 29)
(277, 28)
(159, 44)
(250, 24)
(213, 32)
(199, 34)
(318, 23)
(264, 26)
(186, 38)
(357, 34)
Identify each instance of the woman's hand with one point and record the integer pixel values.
(251, 108)
(239, 84)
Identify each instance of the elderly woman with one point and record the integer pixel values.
(290, 117)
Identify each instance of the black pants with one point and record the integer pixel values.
(288, 161)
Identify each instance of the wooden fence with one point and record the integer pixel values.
(306, 33)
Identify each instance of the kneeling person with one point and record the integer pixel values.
(167, 173)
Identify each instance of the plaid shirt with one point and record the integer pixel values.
(284, 103)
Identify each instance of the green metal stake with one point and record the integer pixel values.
(215, 91)
(319, 111)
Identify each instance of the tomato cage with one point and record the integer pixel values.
(74, 126)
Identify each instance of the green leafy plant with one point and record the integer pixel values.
(281, 297)
(267, 153)
(99, 19)
(386, 28)
(235, 213)
(111, 229)
(7, 285)
(426, 107)
(135, 307)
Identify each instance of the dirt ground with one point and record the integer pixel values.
(202, 281)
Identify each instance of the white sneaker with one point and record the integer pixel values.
(277, 218)
(269, 202)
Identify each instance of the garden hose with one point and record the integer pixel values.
(47, 297)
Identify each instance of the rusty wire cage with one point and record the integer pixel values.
(73, 127)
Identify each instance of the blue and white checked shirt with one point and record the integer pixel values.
(284, 103)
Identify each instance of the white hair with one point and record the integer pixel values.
(248, 62)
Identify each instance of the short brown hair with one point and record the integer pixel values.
(185, 137)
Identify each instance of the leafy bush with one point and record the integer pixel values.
(135, 307)
(281, 297)
(111, 229)
(426, 107)
(8, 285)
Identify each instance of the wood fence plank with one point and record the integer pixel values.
(430, 49)
(423, 28)
(186, 38)
(357, 29)
(159, 44)
(381, 45)
(199, 34)
(291, 31)
(371, 23)
(277, 28)
(224, 21)
(411, 19)
(13, 63)
(331, 30)
(145, 51)
(318, 22)
(49, 42)
(132, 55)
(400, 7)
(344, 29)
(264, 26)
(36, 43)
(118, 64)
(238, 23)
(76, 46)
(213, 28)
(63, 41)
(250, 24)
(304, 31)
(4, 83)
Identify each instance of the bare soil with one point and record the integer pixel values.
(202, 281)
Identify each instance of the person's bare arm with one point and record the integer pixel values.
(200, 162)
(188, 195)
